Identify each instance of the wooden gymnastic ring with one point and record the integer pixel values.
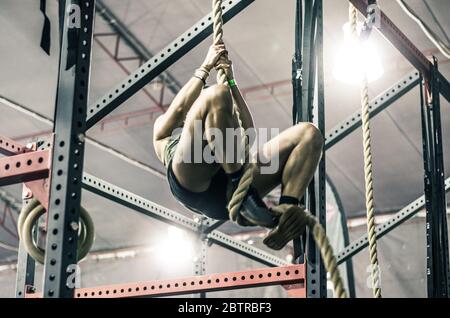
(29, 219)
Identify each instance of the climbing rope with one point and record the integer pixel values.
(367, 169)
(28, 219)
(321, 239)
(251, 168)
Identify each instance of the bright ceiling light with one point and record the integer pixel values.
(175, 249)
(355, 60)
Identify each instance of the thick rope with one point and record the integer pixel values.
(250, 169)
(367, 170)
(326, 250)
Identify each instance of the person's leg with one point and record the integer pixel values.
(219, 116)
(213, 111)
(299, 149)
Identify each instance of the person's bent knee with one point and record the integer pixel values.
(220, 91)
(312, 135)
(219, 99)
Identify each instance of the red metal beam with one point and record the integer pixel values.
(9, 147)
(24, 167)
(394, 35)
(291, 277)
(266, 86)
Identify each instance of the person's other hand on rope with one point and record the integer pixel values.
(213, 56)
(226, 65)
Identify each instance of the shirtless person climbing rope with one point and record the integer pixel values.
(206, 187)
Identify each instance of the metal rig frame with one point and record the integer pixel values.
(61, 161)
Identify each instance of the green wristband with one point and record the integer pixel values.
(232, 83)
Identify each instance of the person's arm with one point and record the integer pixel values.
(176, 113)
(246, 117)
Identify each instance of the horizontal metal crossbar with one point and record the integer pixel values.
(9, 147)
(147, 207)
(382, 229)
(24, 167)
(294, 274)
(378, 104)
(160, 62)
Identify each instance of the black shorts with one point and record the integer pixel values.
(211, 203)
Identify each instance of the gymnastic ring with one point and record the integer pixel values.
(86, 235)
(81, 235)
(23, 215)
(84, 243)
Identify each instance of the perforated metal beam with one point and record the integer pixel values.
(160, 62)
(147, 207)
(24, 167)
(288, 275)
(68, 152)
(312, 110)
(9, 147)
(435, 199)
(382, 229)
(137, 203)
(378, 104)
(246, 250)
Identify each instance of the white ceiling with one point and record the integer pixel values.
(260, 41)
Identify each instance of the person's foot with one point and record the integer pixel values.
(292, 224)
(255, 210)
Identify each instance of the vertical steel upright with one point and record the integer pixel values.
(25, 267)
(299, 255)
(297, 65)
(68, 150)
(317, 275)
(201, 249)
(436, 208)
(309, 107)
